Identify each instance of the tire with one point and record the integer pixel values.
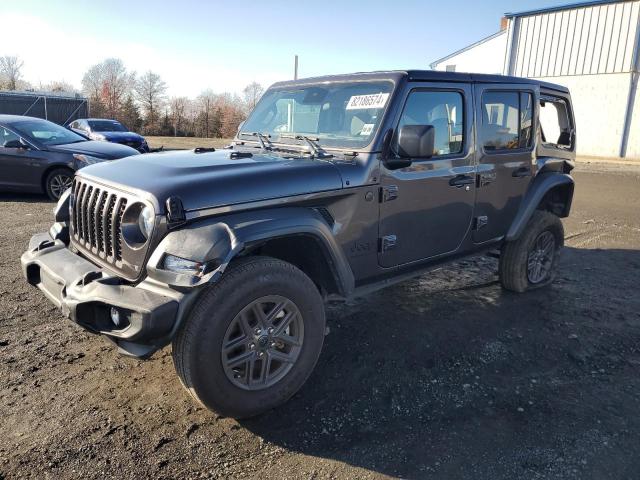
(201, 361)
(56, 180)
(516, 272)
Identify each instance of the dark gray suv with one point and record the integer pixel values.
(334, 187)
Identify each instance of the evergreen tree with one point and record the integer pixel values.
(130, 115)
(166, 128)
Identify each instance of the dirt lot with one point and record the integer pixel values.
(446, 376)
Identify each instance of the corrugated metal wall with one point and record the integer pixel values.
(582, 41)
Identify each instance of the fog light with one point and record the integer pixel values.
(115, 316)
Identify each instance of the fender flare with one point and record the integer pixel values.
(220, 239)
(542, 184)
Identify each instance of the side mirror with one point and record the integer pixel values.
(19, 143)
(416, 141)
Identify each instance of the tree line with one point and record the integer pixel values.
(141, 101)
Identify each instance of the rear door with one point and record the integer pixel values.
(505, 119)
(426, 208)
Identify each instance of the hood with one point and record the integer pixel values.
(106, 150)
(121, 136)
(213, 179)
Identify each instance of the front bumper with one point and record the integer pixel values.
(86, 294)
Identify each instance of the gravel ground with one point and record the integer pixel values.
(445, 376)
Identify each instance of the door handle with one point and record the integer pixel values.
(521, 172)
(461, 180)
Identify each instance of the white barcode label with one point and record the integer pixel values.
(359, 102)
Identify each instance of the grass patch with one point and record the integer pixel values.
(186, 143)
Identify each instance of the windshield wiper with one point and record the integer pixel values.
(263, 139)
(316, 150)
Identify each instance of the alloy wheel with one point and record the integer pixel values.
(540, 259)
(262, 342)
(59, 184)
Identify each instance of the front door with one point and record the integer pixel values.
(426, 209)
(19, 167)
(505, 117)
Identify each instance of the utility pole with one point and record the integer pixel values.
(295, 68)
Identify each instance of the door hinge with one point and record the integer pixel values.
(481, 222)
(388, 242)
(388, 193)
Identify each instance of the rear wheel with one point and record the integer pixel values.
(531, 261)
(57, 182)
(252, 339)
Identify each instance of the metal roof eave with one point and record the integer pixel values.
(568, 6)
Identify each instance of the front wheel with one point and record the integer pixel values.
(252, 339)
(57, 182)
(531, 261)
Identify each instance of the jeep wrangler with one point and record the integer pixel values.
(333, 187)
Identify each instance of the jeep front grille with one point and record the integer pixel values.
(96, 220)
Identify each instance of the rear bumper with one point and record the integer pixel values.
(142, 147)
(86, 294)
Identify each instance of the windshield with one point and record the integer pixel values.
(337, 115)
(106, 126)
(46, 132)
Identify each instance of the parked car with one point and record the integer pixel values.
(40, 156)
(334, 187)
(109, 130)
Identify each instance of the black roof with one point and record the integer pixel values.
(100, 119)
(6, 118)
(423, 76)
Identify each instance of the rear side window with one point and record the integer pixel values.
(555, 126)
(507, 120)
(441, 109)
(7, 136)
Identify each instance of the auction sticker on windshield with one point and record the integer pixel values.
(377, 100)
(367, 128)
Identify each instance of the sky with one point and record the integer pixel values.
(196, 45)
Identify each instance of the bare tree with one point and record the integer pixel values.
(11, 71)
(206, 101)
(59, 86)
(108, 84)
(117, 84)
(178, 106)
(232, 112)
(150, 91)
(92, 81)
(252, 94)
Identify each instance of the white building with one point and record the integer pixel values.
(591, 47)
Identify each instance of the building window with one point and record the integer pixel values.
(442, 110)
(450, 68)
(506, 120)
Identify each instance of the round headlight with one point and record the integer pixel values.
(146, 220)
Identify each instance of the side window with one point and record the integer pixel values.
(444, 111)
(7, 136)
(555, 126)
(507, 119)
(526, 120)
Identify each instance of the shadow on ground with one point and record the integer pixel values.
(24, 198)
(420, 379)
